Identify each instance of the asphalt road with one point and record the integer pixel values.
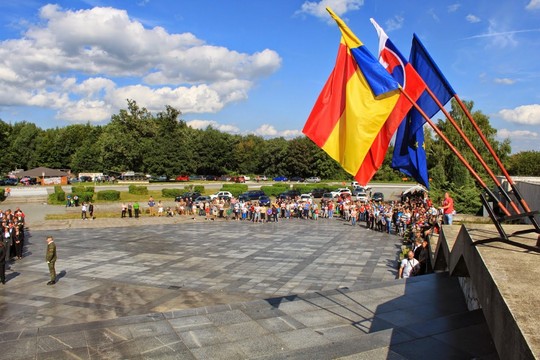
(391, 191)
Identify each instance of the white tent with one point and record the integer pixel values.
(414, 189)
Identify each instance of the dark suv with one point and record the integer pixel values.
(254, 194)
(289, 194)
(187, 196)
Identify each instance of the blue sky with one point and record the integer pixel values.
(253, 66)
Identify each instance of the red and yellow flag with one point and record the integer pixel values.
(354, 104)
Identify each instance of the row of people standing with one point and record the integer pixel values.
(12, 244)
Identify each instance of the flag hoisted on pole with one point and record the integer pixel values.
(409, 155)
(396, 64)
(354, 104)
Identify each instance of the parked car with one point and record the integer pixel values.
(297, 179)
(222, 195)
(378, 196)
(361, 196)
(196, 178)
(161, 178)
(243, 198)
(246, 178)
(342, 191)
(306, 197)
(280, 178)
(190, 195)
(212, 177)
(261, 178)
(254, 194)
(313, 179)
(202, 198)
(328, 196)
(11, 181)
(238, 179)
(28, 180)
(289, 194)
(224, 178)
(182, 178)
(319, 192)
(264, 200)
(358, 189)
(85, 179)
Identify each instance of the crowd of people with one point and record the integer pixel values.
(12, 244)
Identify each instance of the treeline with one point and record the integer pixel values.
(159, 144)
(162, 144)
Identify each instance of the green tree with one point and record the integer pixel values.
(87, 157)
(122, 143)
(524, 163)
(23, 146)
(274, 155)
(448, 172)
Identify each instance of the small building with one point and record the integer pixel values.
(46, 176)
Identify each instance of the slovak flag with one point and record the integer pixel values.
(411, 82)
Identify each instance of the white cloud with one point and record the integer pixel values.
(533, 5)
(203, 124)
(525, 114)
(340, 7)
(513, 134)
(472, 18)
(394, 23)
(453, 7)
(504, 81)
(72, 61)
(267, 130)
(83, 111)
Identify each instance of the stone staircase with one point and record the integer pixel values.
(420, 318)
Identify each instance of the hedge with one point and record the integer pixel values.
(274, 190)
(234, 189)
(110, 195)
(84, 196)
(199, 189)
(171, 193)
(58, 196)
(82, 189)
(138, 190)
(307, 188)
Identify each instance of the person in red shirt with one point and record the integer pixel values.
(448, 209)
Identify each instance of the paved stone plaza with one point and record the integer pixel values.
(110, 272)
(228, 290)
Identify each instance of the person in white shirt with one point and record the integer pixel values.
(408, 266)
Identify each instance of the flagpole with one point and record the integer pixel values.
(492, 152)
(456, 152)
(473, 149)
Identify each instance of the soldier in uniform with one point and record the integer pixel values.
(50, 256)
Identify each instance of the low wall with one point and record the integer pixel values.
(499, 277)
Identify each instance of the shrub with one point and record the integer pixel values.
(234, 189)
(138, 190)
(58, 197)
(171, 193)
(305, 188)
(199, 189)
(109, 195)
(90, 189)
(274, 190)
(78, 189)
(84, 196)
